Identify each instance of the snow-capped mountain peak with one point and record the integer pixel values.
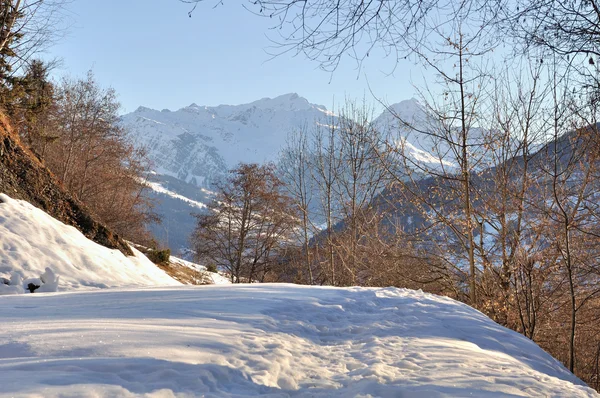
(142, 109)
(199, 143)
(291, 102)
(408, 111)
(288, 102)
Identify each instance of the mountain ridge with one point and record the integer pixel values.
(196, 145)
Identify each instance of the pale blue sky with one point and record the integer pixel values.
(154, 55)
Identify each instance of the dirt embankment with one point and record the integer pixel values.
(23, 176)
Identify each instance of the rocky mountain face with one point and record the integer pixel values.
(23, 176)
(197, 144)
(192, 148)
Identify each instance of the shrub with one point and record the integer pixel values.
(211, 268)
(159, 256)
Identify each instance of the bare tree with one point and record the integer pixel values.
(512, 134)
(569, 172)
(296, 165)
(567, 28)
(248, 226)
(91, 155)
(360, 179)
(28, 27)
(451, 130)
(327, 31)
(326, 174)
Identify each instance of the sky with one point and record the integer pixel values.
(154, 55)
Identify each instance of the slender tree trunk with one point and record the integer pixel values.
(11, 15)
(329, 183)
(573, 302)
(306, 246)
(467, 179)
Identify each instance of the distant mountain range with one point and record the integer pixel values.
(197, 144)
(192, 148)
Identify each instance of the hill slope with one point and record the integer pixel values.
(23, 176)
(31, 240)
(272, 340)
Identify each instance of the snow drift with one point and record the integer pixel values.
(31, 241)
(272, 340)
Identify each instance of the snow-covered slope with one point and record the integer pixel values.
(31, 240)
(214, 278)
(409, 123)
(405, 121)
(271, 340)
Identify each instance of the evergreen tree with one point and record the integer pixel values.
(10, 35)
(35, 100)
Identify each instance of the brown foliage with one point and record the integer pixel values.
(23, 176)
(248, 226)
(74, 129)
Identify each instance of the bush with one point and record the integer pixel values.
(159, 256)
(211, 268)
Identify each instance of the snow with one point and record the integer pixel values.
(425, 150)
(156, 187)
(424, 158)
(33, 244)
(272, 340)
(207, 141)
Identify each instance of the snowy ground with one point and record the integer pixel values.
(31, 240)
(274, 340)
(242, 340)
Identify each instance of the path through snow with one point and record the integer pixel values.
(274, 340)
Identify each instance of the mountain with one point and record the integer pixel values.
(192, 148)
(425, 141)
(197, 144)
(405, 121)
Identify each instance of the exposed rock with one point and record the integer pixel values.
(32, 287)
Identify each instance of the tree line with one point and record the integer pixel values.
(71, 125)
